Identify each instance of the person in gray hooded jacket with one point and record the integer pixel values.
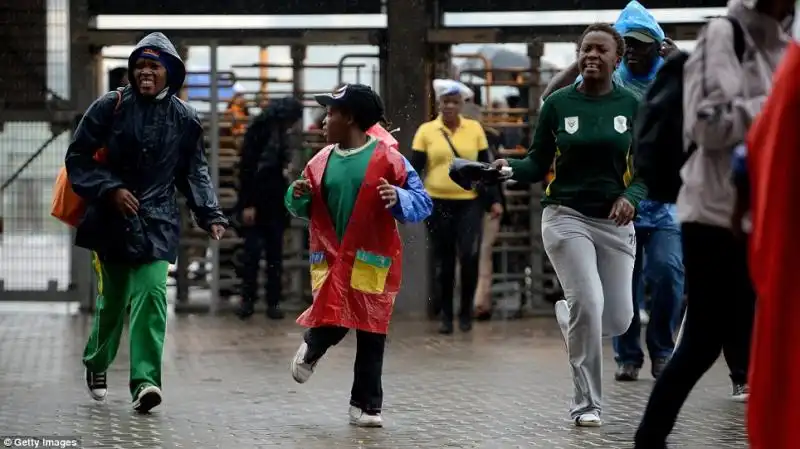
(153, 146)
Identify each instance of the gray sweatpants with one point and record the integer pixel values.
(593, 259)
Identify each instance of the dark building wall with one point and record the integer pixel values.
(23, 54)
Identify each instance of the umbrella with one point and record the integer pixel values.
(502, 58)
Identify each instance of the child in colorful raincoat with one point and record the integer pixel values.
(354, 192)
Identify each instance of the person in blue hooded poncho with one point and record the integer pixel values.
(657, 229)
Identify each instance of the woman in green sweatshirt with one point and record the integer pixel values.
(587, 227)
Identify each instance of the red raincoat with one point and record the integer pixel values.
(379, 132)
(355, 282)
(773, 157)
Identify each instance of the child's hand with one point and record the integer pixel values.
(302, 187)
(387, 193)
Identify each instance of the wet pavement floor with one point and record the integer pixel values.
(227, 385)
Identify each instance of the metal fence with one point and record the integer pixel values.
(35, 250)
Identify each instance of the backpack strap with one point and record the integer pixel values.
(738, 37)
(118, 91)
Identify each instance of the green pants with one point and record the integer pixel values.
(144, 288)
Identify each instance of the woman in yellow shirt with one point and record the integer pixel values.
(457, 219)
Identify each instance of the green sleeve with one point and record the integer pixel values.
(638, 161)
(299, 207)
(636, 191)
(534, 167)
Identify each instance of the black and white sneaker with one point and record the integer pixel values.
(147, 399)
(741, 392)
(359, 418)
(302, 370)
(96, 384)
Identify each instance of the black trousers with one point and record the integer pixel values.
(265, 236)
(367, 391)
(720, 314)
(455, 228)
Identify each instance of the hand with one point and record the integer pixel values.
(667, 48)
(499, 163)
(737, 219)
(302, 187)
(387, 193)
(217, 231)
(125, 202)
(622, 212)
(504, 168)
(249, 216)
(496, 211)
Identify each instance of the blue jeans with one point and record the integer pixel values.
(658, 237)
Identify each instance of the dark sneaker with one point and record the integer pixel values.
(275, 313)
(147, 399)
(96, 383)
(657, 366)
(741, 392)
(446, 328)
(246, 309)
(627, 373)
(465, 325)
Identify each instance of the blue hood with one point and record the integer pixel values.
(636, 17)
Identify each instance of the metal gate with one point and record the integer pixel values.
(37, 261)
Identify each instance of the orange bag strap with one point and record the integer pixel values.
(119, 99)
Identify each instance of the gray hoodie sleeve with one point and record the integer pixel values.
(718, 106)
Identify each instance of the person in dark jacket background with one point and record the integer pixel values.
(154, 144)
(265, 156)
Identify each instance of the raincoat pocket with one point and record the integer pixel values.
(319, 270)
(370, 272)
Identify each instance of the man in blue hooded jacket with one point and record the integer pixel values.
(153, 145)
(658, 236)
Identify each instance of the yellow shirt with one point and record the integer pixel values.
(468, 139)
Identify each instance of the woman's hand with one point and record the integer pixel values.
(499, 163)
(504, 168)
(622, 212)
(496, 211)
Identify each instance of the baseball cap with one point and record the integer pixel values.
(358, 100)
(641, 36)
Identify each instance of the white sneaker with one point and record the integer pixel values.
(148, 398)
(96, 384)
(644, 317)
(562, 317)
(302, 371)
(591, 419)
(361, 419)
